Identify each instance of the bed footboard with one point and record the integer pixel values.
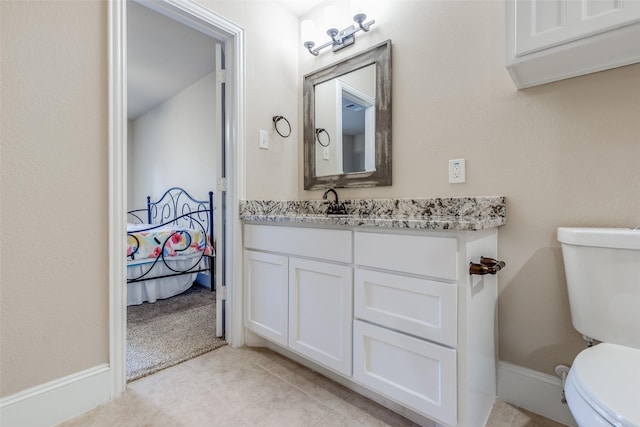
(177, 233)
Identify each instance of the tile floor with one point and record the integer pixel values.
(255, 387)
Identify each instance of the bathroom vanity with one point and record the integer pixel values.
(381, 298)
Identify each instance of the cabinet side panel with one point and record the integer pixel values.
(477, 333)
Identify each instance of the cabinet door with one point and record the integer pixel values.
(266, 295)
(320, 312)
(542, 24)
(418, 374)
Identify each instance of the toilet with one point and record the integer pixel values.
(602, 267)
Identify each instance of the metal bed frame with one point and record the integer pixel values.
(177, 207)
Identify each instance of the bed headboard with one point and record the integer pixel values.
(177, 207)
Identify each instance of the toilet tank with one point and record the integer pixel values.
(602, 267)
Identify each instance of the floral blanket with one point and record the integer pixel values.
(166, 240)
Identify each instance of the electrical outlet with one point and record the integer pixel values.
(457, 173)
(264, 139)
(325, 153)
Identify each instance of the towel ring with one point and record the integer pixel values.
(276, 119)
(318, 132)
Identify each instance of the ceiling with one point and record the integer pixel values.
(300, 7)
(164, 56)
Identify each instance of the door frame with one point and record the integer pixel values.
(343, 90)
(205, 20)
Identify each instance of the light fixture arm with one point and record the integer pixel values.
(341, 39)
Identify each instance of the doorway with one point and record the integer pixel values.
(176, 133)
(229, 189)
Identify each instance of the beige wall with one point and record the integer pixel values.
(564, 154)
(271, 86)
(53, 116)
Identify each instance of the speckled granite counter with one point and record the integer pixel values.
(454, 213)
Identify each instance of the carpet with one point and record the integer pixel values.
(170, 331)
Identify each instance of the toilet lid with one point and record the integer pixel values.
(608, 377)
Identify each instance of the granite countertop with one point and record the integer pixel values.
(454, 213)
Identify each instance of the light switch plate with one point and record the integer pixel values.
(264, 139)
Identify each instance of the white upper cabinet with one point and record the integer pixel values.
(542, 24)
(550, 40)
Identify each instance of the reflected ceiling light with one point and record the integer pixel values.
(344, 38)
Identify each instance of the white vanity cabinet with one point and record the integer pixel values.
(392, 310)
(299, 290)
(550, 40)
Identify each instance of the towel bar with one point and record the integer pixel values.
(486, 266)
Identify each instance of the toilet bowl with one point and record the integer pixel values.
(603, 386)
(602, 268)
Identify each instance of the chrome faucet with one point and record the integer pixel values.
(335, 207)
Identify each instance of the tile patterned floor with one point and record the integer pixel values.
(255, 387)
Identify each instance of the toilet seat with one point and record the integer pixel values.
(607, 378)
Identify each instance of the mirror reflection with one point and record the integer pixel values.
(347, 122)
(345, 119)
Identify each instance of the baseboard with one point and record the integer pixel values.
(534, 391)
(57, 401)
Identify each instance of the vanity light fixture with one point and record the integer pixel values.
(344, 38)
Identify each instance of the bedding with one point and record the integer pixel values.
(146, 242)
(160, 251)
(154, 289)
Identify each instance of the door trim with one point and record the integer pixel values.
(198, 17)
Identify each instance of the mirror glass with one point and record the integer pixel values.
(347, 122)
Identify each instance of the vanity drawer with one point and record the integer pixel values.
(419, 307)
(424, 255)
(332, 245)
(417, 374)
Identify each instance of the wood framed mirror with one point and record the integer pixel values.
(347, 122)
